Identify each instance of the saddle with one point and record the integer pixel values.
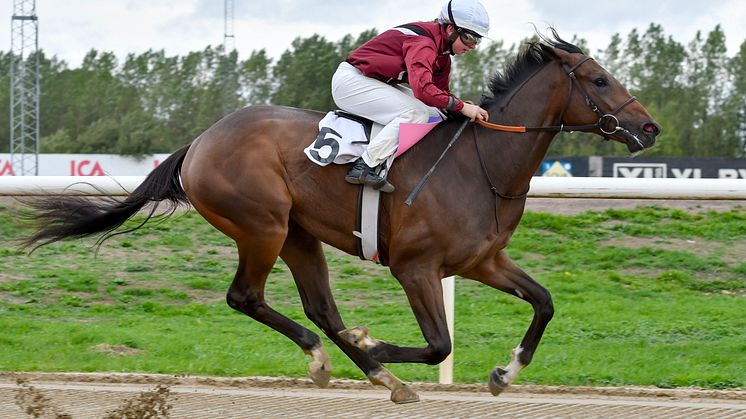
(342, 139)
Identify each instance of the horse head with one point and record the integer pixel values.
(578, 95)
(597, 102)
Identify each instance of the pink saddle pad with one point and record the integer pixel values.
(410, 134)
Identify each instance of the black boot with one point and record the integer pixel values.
(362, 174)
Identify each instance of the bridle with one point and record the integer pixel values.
(603, 118)
(611, 116)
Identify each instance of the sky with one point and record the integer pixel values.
(69, 29)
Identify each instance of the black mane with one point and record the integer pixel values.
(532, 57)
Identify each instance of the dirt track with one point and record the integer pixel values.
(92, 395)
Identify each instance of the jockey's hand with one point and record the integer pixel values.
(474, 112)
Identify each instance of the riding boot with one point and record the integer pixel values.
(362, 174)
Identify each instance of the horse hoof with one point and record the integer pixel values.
(496, 382)
(319, 374)
(404, 394)
(357, 336)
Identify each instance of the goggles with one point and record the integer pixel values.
(468, 37)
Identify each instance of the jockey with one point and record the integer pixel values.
(369, 82)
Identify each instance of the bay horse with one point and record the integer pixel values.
(247, 175)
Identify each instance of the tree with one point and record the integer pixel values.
(660, 85)
(304, 73)
(88, 98)
(613, 60)
(735, 103)
(255, 79)
(471, 72)
(633, 58)
(4, 102)
(661, 67)
(228, 75)
(703, 104)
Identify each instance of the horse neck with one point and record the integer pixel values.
(514, 158)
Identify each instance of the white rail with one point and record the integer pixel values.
(546, 187)
(640, 188)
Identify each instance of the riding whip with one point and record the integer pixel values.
(426, 178)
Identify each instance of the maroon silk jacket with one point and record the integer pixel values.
(423, 61)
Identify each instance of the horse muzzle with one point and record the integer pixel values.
(638, 136)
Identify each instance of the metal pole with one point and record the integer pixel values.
(24, 89)
(229, 45)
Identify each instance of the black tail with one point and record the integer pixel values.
(57, 218)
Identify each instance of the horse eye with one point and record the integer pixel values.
(600, 82)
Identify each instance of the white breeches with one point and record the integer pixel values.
(380, 102)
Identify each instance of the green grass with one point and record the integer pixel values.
(650, 296)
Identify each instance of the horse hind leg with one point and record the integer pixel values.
(246, 294)
(303, 254)
(501, 273)
(259, 226)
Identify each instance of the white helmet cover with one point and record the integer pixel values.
(467, 14)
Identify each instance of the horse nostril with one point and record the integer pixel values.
(651, 128)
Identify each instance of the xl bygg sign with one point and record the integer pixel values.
(643, 167)
(720, 168)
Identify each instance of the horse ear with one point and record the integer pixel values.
(561, 54)
(552, 52)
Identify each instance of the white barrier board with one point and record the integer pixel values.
(541, 187)
(88, 164)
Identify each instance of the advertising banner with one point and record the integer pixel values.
(88, 165)
(675, 167)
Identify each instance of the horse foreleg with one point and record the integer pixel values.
(501, 273)
(425, 296)
(400, 392)
(359, 336)
(320, 369)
